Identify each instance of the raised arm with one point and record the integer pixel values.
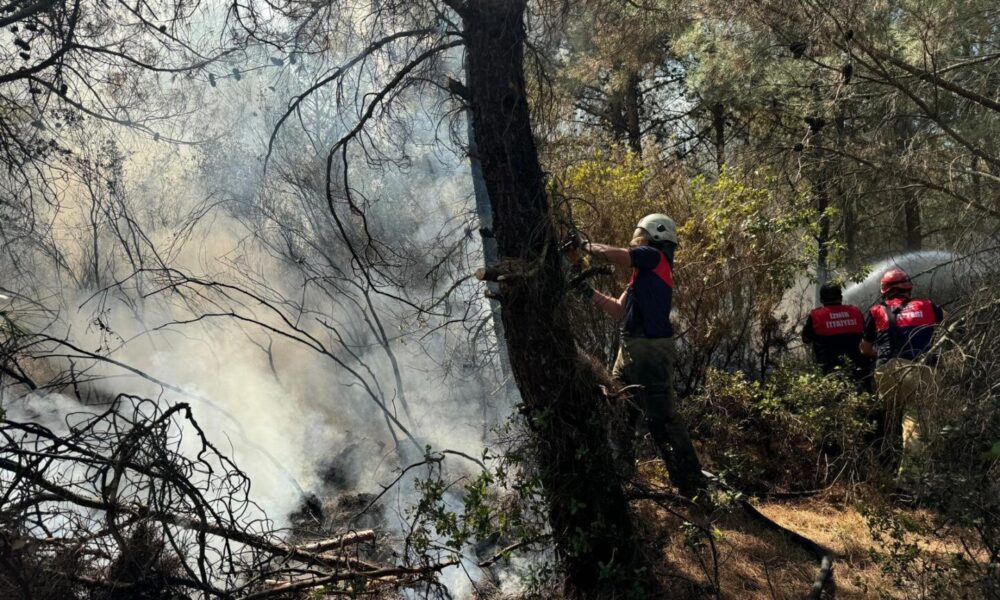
(619, 257)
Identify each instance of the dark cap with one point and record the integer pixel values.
(830, 293)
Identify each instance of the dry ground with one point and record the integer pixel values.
(757, 563)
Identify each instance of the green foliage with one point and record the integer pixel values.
(727, 62)
(798, 429)
(611, 190)
(916, 570)
(493, 513)
(741, 246)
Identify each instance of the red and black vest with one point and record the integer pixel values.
(650, 295)
(835, 334)
(901, 327)
(837, 319)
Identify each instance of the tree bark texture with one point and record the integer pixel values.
(633, 109)
(560, 392)
(821, 186)
(911, 213)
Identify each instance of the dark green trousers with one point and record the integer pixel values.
(649, 364)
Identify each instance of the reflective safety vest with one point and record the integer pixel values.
(834, 332)
(837, 319)
(904, 328)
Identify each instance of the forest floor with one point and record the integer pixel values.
(752, 562)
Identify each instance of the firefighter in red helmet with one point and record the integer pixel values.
(898, 333)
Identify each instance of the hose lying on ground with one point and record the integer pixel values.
(823, 555)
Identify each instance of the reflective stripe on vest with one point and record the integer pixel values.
(837, 319)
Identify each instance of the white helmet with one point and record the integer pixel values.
(659, 227)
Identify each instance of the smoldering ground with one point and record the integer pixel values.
(295, 334)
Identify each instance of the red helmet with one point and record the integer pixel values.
(896, 280)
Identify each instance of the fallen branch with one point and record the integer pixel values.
(144, 512)
(337, 543)
(506, 270)
(374, 575)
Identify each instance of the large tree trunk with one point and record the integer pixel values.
(560, 392)
(631, 106)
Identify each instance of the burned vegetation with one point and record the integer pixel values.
(108, 506)
(499, 299)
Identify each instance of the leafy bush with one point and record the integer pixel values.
(913, 568)
(741, 246)
(797, 430)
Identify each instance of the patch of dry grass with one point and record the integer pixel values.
(755, 563)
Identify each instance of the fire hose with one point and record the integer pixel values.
(823, 556)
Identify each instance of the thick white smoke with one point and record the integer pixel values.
(283, 407)
(285, 366)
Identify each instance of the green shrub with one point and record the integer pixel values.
(797, 430)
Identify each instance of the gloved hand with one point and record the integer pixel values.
(572, 242)
(570, 247)
(575, 249)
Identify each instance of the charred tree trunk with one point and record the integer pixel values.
(911, 212)
(491, 257)
(850, 227)
(560, 392)
(821, 188)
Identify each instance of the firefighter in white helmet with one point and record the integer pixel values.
(646, 355)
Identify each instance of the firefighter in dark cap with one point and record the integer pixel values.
(834, 331)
